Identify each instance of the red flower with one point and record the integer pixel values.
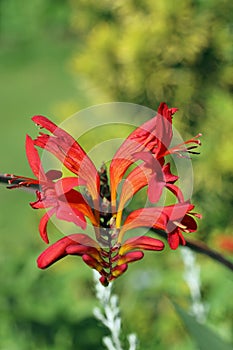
(109, 253)
(59, 196)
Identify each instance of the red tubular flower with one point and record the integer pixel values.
(66, 203)
(70, 153)
(110, 252)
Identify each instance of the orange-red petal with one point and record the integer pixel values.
(58, 250)
(34, 159)
(43, 224)
(69, 152)
(144, 217)
(143, 242)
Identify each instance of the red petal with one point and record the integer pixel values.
(140, 139)
(176, 191)
(43, 224)
(58, 250)
(92, 262)
(65, 185)
(155, 135)
(156, 182)
(164, 128)
(137, 179)
(177, 211)
(54, 253)
(119, 270)
(155, 189)
(81, 238)
(147, 157)
(130, 257)
(76, 200)
(168, 175)
(44, 123)
(69, 152)
(143, 242)
(81, 249)
(145, 217)
(34, 159)
(71, 214)
(175, 238)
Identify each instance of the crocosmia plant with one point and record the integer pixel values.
(100, 198)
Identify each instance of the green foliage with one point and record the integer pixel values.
(204, 337)
(24, 21)
(140, 51)
(146, 51)
(179, 52)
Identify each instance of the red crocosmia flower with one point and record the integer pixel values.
(70, 153)
(110, 252)
(155, 135)
(66, 203)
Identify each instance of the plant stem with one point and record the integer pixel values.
(201, 248)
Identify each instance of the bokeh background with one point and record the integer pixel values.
(57, 57)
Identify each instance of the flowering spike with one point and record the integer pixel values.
(109, 253)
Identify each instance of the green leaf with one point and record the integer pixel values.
(205, 338)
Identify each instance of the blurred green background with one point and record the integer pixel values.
(58, 57)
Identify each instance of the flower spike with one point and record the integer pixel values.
(110, 250)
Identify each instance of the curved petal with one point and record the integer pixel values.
(140, 139)
(154, 135)
(155, 188)
(176, 191)
(176, 212)
(69, 152)
(156, 182)
(43, 224)
(118, 270)
(137, 179)
(66, 212)
(44, 122)
(92, 262)
(34, 159)
(82, 249)
(130, 257)
(169, 177)
(121, 162)
(145, 217)
(58, 250)
(175, 238)
(164, 128)
(143, 242)
(76, 200)
(54, 253)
